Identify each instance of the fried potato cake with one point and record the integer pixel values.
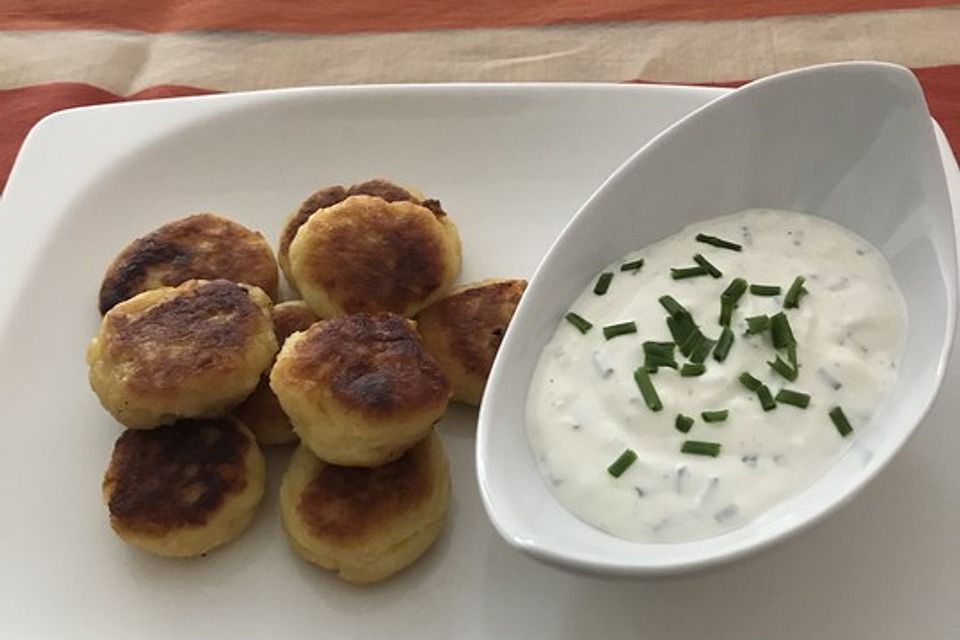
(366, 523)
(463, 331)
(201, 246)
(183, 489)
(373, 247)
(191, 351)
(359, 389)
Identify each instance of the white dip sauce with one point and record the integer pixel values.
(585, 409)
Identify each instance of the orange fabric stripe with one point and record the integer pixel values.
(24, 107)
(333, 16)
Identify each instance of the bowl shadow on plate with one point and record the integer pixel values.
(773, 594)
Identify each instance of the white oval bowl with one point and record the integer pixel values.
(851, 142)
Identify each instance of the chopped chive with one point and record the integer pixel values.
(715, 416)
(718, 242)
(658, 354)
(673, 307)
(633, 265)
(765, 289)
(758, 324)
(613, 330)
(766, 398)
(700, 448)
(660, 348)
(784, 369)
(780, 331)
(734, 290)
(582, 325)
(706, 264)
(603, 283)
(792, 356)
(794, 293)
(840, 421)
(692, 342)
(726, 312)
(749, 381)
(621, 464)
(653, 361)
(702, 350)
(679, 273)
(794, 398)
(675, 331)
(723, 345)
(692, 369)
(683, 423)
(642, 378)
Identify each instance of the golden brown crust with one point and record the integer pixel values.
(349, 504)
(471, 322)
(329, 196)
(201, 246)
(175, 476)
(326, 197)
(370, 255)
(290, 317)
(373, 363)
(199, 331)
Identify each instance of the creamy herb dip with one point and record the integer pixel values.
(584, 407)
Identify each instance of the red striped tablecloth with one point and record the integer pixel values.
(56, 54)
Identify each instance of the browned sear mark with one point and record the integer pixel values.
(348, 503)
(175, 476)
(374, 363)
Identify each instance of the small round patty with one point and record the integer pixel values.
(463, 331)
(366, 523)
(185, 488)
(201, 246)
(359, 389)
(191, 351)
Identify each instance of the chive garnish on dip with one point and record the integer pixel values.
(683, 423)
(694, 338)
(765, 289)
(673, 307)
(633, 265)
(718, 242)
(679, 273)
(749, 381)
(582, 325)
(613, 330)
(719, 415)
(794, 398)
(784, 369)
(621, 464)
(706, 264)
(603, 283)
(766, 398)
(794, 293)
(692, 369)
(700, 448)
(702, 350)
(758, 324)
(726, 312)
(723, 345)
(642, 378)
(840, 421)
(781, 333)
(658, 354)
(734, 290)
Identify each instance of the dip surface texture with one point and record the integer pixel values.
(584, 408)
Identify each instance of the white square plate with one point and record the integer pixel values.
(511, 164)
